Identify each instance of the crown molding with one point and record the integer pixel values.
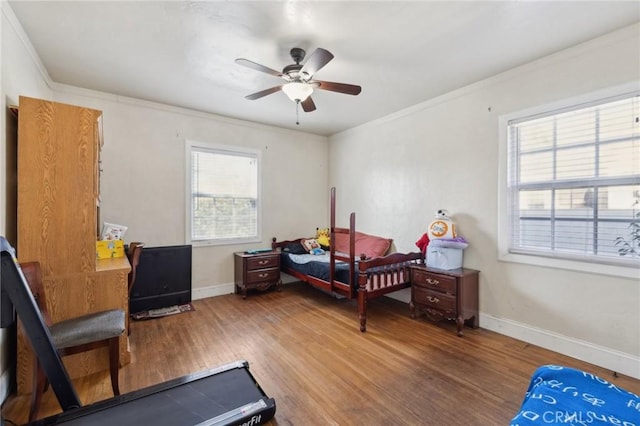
(12, 19)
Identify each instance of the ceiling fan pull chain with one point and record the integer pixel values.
(297, 112)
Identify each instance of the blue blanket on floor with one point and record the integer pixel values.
(566, 396)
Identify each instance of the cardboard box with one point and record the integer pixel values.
(444, 257)
(106, 249)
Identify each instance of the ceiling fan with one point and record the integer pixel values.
(299, 82)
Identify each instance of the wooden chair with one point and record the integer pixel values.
(133, 253)
(75, 335)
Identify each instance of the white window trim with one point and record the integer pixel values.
(624, 271)
(191, 144)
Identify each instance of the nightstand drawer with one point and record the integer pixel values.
(426, 279)
(434, 299)
(262, 262)
(263, 275)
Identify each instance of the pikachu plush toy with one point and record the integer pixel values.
(322, 236)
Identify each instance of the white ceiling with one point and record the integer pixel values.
(401, 53)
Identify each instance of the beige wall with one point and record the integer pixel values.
(397, 171)
(143, 179)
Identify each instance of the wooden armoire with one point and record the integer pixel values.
(58, 218)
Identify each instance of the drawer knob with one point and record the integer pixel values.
(433, 299)
(263, 262)
(432, 281)
(263, 275)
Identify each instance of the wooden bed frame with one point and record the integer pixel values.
(376, 276)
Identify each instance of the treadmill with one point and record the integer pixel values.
(225, 395)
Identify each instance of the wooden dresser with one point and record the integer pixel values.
(58, 219)
(444, 294)
(256, 271)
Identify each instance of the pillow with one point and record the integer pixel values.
(295, 248)
(370, 245)
(309, 244)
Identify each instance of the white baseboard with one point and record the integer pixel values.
(220, 289)
(611, 359)
(5, 384)
(211, 291)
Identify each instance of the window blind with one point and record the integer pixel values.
(574, 180)
(224, 195)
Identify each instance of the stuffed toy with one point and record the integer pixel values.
(422, 243)
(312, 246)
(442, 226)
(322, 236)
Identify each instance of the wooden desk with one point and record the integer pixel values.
(114, 273)
(75, 294)
(117, 264)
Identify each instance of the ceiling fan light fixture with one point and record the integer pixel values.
(297, 91)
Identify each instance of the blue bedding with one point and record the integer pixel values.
(566, 396)
(318, 269)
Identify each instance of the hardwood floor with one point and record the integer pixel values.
(306, 351)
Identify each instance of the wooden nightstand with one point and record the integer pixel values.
(444, 294)
(256, 270)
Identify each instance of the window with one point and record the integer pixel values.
(223, 194)
(573, 181)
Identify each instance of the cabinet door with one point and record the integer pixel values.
(56, 186)
(98, 172)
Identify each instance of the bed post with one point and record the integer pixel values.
(353, 281)
(362, 297)
(332, 238)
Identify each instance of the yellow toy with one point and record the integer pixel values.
(322, 236)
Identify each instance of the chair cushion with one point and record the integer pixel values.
(88, 328)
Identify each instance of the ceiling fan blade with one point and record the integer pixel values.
(349, 89)
(257, 67)
(260, 94)
(308, 105)
(318, 59)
